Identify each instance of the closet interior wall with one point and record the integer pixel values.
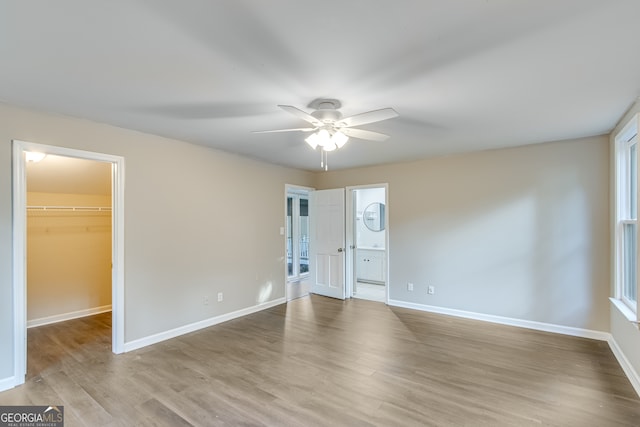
(68, 256)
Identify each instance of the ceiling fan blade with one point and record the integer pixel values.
(368, 117)
(301, 114)
(364, 134)
(284, 130)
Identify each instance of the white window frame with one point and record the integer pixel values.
(624, 140)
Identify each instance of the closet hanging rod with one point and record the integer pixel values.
(71, 208)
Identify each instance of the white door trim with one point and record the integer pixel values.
(349, 230)
(19, 245)
(288, 189)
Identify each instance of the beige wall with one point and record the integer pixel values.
(519, 233)
(190, 223)
(68, 255)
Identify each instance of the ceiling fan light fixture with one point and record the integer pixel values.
(339, 139)
(312, 140)
(324, 138)
(329, 146)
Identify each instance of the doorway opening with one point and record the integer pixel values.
(347, 257)
(297, 241)
(368, 235)
(51, 222)
(68, 239)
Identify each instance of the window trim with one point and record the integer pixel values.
(624, 140)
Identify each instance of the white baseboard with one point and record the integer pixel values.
(627, 367)
(162, 336)
(8, 383)
(67, 316)
(529, 324)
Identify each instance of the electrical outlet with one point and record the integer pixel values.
(220, 296)
(410, 286)
(205, 300)
(431, 290)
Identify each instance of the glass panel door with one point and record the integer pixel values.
(297, 235)
(289, 236)
(304, 235)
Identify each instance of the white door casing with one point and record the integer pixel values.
(19, 246)
(327, 248)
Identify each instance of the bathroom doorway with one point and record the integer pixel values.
(368, 235)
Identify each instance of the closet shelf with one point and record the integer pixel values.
(68, 211)
(69, 208)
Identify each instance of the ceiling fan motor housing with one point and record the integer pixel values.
(326, 111)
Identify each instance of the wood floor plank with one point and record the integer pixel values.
(323, 362)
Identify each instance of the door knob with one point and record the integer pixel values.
(340, 249)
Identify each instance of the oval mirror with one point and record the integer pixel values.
(373, 216)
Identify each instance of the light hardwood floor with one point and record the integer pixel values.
(319, 361)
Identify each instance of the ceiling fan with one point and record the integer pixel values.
(330, 130)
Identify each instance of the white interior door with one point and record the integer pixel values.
(327, 248)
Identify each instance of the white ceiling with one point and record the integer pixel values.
(464, 75)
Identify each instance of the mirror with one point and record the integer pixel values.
(373, 216)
